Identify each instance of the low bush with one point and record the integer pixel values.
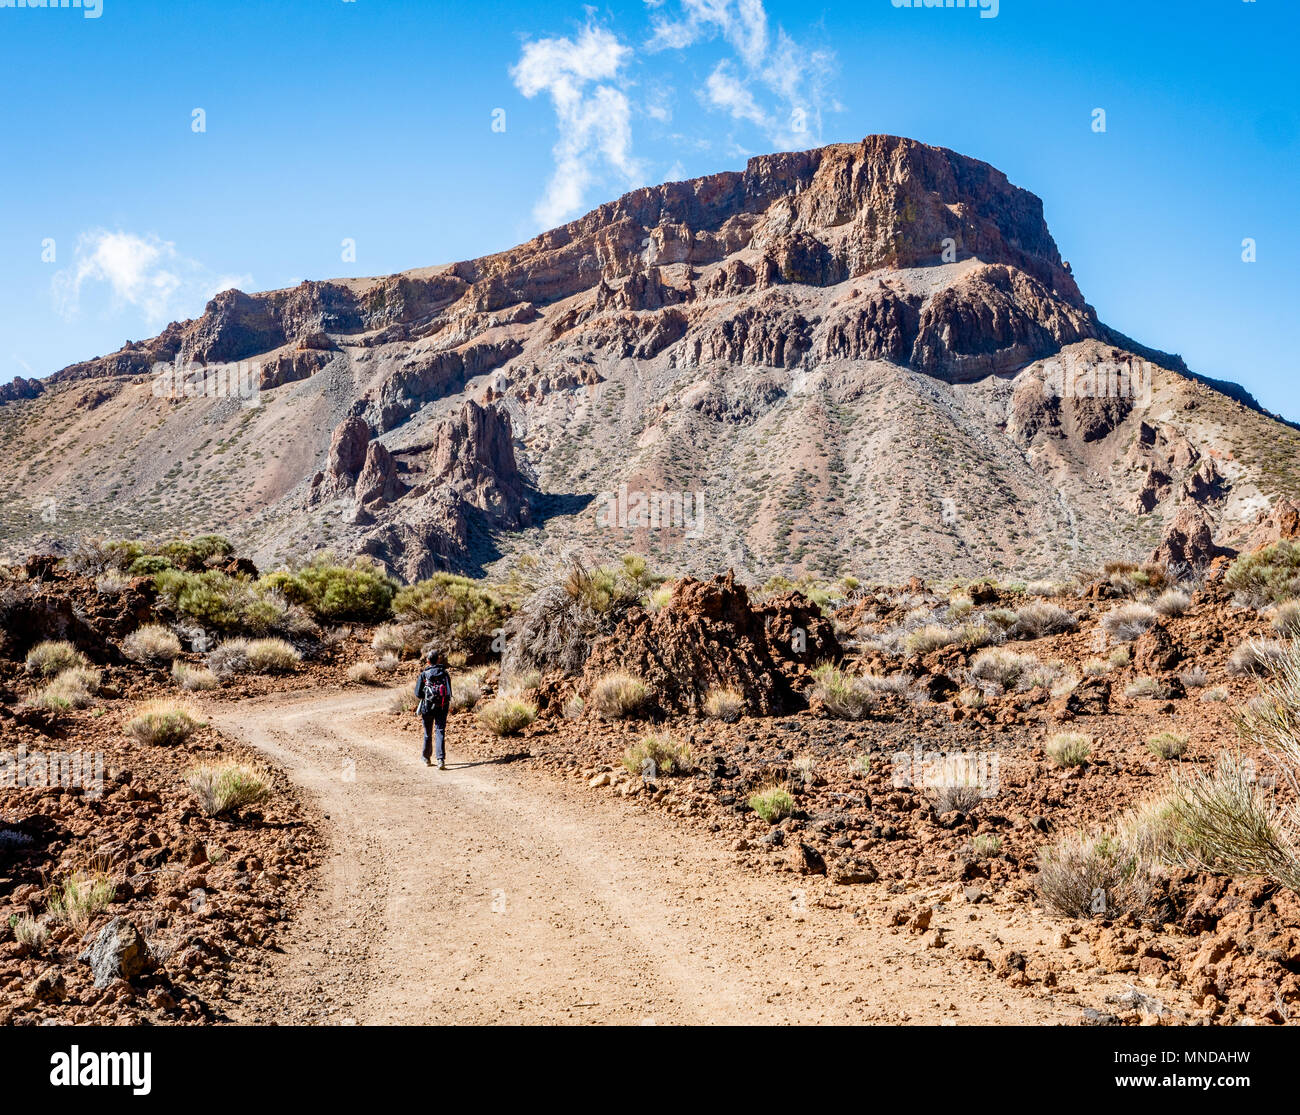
(727, 705)
(1167, 745)
(53, 657)
(364, 673)
(1257, 656)
(1038, 619)
(361, 592)
(466, 691)
(506, 716)
(222, 788)
(79, 898)
(842, 695)
(193, 678)
(1271, 573)
(270, 656)
(162, 723)
(1146, 688)
(771, 803)
(1235, 828)
(152, 644)
(72, 689)
(618, 695)
(1126, 622)
(1069, 749)
(1095, 877)
(457, 614)
(1286, 619)
(663, 755)
(1000, 669)
(1172, 602)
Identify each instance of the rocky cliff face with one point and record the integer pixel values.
(842, 356)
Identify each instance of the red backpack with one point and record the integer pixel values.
(435, 692)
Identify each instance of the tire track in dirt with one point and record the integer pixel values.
(492, 892)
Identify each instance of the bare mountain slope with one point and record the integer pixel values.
(847, 358)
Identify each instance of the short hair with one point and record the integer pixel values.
(433, 656)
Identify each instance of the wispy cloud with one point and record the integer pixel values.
(593, 114)
(599, 83)
(145, 273)
(771, 81)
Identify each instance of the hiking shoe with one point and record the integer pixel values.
(442, 764)
(428, 762)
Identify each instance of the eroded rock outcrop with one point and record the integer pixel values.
(709, 635)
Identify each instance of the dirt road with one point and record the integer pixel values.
(492, 892)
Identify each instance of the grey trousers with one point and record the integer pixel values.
(435, 731)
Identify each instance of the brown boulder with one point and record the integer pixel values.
(707, 636)
(1188, 541)
(1155, 652)
(347, 455)
(378, 479)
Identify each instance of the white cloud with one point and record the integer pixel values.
(768, 81)
(726, 91)
(791, 79)
(592, 113)
(141, 272)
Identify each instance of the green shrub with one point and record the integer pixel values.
(231, 604)
(51, 658)
(212, 598)
(360, 592)
(225, 787)
(506, 716)
(771, 803)
(152, 644)
(618, 695)
(666, 754)
(1069, 749)
(1270, 573)
(194, 554)
(453, 612)
(162, 723)
(149, 565)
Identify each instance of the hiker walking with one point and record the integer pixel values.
(433, 690)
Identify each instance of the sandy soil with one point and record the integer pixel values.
(495, 892)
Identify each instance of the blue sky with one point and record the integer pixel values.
(373, 121)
